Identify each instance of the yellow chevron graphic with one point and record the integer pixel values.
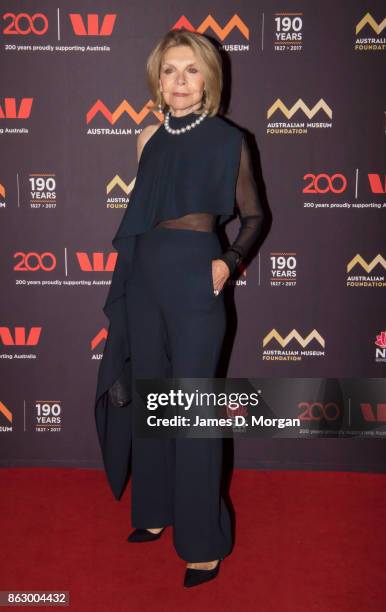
(117, 181)
(2, 190)
(299, 104)
(7, 413)
(358, 259)
(294, 334)
(372, 23)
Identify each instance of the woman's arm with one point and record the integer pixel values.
(250, 211)
(144, 136)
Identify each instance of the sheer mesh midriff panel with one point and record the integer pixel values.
(200, 222)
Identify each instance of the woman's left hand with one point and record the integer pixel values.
(220, 274)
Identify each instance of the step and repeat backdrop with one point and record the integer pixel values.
(306, 80)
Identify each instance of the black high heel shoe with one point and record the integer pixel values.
(144, 535)
(194, 577)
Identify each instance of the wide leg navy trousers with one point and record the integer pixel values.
(177, 327)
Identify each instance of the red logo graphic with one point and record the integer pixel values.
(381, 339)
(316, 411)
(323, 183)
(8, 110)
(19, 337)
(374, 414)
(101, 335)
(7, 413)
(210, 23)
(35, 261)
(28, 21)
(377, 183)
(98, 263)
(124, 107)
(92, 28)
(241, 410)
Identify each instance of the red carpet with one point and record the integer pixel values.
(312, 541)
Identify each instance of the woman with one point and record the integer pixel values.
(166, 305)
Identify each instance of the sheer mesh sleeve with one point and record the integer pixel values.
(250, 211)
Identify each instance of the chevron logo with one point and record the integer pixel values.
(368, 267)
(124, 107)
(2, 190)
(299, 105)
(294, 335)
(210, 23)
(118, 182)
(368, 19)
(7, 413)
(101, 335)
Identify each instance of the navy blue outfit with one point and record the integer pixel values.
(165, 321)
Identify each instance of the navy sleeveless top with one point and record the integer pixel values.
(192, 172)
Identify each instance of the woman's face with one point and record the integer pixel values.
(181, 80)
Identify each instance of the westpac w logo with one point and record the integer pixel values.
(374, 414)
(9, 110)
(92, 27)
(97, 262)
(19, 337)
(377, 182)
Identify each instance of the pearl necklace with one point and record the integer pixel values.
(187, 127)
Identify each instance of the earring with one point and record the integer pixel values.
(159, 103)
(203, 99)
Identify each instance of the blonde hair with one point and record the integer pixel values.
(208, 56)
